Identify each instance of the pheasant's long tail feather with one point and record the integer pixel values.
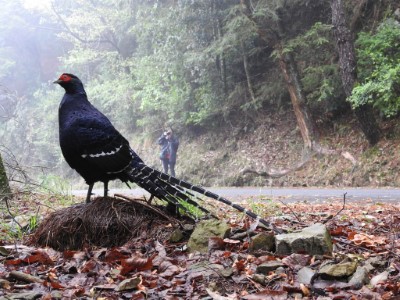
(164, 190)
(145, 170)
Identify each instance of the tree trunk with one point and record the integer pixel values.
(295, 88)
(218, 35)
(248, 77)
(297, 96)
(4, 185)
(347, 62)
(299, 101)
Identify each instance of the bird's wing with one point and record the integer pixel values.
(102, 145)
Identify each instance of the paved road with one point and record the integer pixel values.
(285, 194)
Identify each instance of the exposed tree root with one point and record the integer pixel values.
(316, 150)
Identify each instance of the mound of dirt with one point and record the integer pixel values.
(104, 222)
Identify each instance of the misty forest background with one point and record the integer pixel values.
(200, 67)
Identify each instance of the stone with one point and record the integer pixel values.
(313, 240)
(176, 236)
(226, 272)
(269, 266)
(280, 270)
(262, 241)
(260, 278)
(304, 275)
(205, 268)
(382, 277)
(188, 227)
(359, 278)
(128, 284)
(56, 295)
(204, 230)
(342, 269)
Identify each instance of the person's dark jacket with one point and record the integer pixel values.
(169, 147)
(163, 142)
(173, 148)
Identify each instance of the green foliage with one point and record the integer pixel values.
(320, 75)
(379, 69)
(148, 64)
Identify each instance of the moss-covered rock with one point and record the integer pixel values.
(204, 230)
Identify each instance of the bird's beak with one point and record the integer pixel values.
(58, 81)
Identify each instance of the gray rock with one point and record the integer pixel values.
(268, 266)
(359, 278)
(188, 227)
(206, 269)
(382, 277)
(305, 274)
(312, 240)
(342, 269)
(56, 295)
(128, 284)
(376, 261)
(260, 278)
(280, 270)
(226, 272)
(204, 230)
(262, 241)
(176, 236)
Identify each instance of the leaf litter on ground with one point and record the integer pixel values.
(154, 268)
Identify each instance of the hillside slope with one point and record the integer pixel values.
(217, 159)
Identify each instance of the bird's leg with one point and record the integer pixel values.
(89, 192)
(151, 198)
(105, 188)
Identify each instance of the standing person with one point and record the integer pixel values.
(169, 147)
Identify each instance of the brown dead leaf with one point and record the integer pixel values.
(216, 296)
(13, 262)
(363, 239)
(39, 256)
(90, 266)
(115, 254)
(296, 261)
(240, 265)
(54, 285)
(69, 254)
(267, 295)
(168, 269)
(136, 263)
(305, 290)
(215, 243)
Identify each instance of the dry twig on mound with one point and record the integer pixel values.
(104, 222)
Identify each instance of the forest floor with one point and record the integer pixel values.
(151, 266)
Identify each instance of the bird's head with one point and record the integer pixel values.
(70, 82)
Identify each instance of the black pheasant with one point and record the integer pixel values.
(98, 152)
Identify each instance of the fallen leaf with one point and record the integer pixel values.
(267, 295)
(136, 263)
(39, 256)
(129, 284)
(368, 240)
(216, 296)
(167, 269)
(90, 266)
(114, 255)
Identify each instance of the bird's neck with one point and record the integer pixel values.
(77, 89)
